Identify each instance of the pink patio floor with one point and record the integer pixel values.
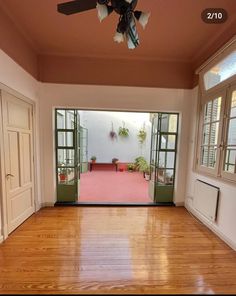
(110, 186)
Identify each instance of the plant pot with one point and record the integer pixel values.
(62, 177)
(147, 177)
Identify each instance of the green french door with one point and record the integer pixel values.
(84, 150)
(67, 125)
(163, 156)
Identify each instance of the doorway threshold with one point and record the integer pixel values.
(113, 204)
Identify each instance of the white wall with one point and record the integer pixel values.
(225, 226)
(99, 124)
(109, 98)
(15, 79)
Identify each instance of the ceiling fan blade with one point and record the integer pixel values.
(76, 6)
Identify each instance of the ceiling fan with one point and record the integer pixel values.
(126, 28)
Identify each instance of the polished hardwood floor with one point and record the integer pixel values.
(115, 250)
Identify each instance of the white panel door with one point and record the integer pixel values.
(18, 146)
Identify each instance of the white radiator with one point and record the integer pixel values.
(205, 199)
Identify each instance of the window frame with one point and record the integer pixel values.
(225, 90)
(230, 47)
(206, 99)
(224, 174)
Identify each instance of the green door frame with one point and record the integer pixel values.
(67, 142)
(162, 193)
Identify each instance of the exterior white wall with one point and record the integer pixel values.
(109, 98)
(99, 124)
(226, 220)
(15, 79)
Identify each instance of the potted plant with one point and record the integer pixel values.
(131, 167)
(147, 173)
(142, 166)
(93, 159)
(115, 160)
(123, 131)
(62, 174)
(140, 162)
(112, 134)
(142, 135)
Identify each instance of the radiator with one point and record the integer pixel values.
(205, 199)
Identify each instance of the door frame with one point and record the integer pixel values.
(3, 193)
(55, 107)
(74, 147)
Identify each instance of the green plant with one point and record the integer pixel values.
(139, 162)
(142, 135)
(62, 171)
(123, 131)
(93, 158)
(131, 167)
(147, 170)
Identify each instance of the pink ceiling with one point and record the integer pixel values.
(175, 31)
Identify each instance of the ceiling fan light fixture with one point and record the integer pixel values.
(142, 17)
(119, 37)
(104, 11)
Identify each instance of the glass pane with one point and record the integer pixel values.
(65, 139)
(162, 160)
(169, 177)
(216, 108)
(164, 122)
(70, 119)
(230, 160)
(207, 113)
(232, 132)
(65, 157)
(233, 105)
(152, 173)
(214, 133)
(220, 72)
(154, 142)
(153, 157)
(168, 142)
(164, 141)
(173, 123)
(66, 176)
(155, 124)
(165, 176)
(204, 155)
(170, 160)
(161, 175)
(212, 156)
(60, 119)
(206, 134)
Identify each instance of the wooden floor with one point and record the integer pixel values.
(115, 250)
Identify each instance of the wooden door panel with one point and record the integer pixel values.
(18, 114)
(26, 176)
(21, 206)
(17, 126)
(13, 166)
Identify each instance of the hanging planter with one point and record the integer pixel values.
(112, 134)
(142, 135)
(123, 131)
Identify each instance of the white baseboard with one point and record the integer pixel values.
(211, 226)
(47, 204)
(1, 239)
(179, 204)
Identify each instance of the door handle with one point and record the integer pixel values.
(9, 175)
